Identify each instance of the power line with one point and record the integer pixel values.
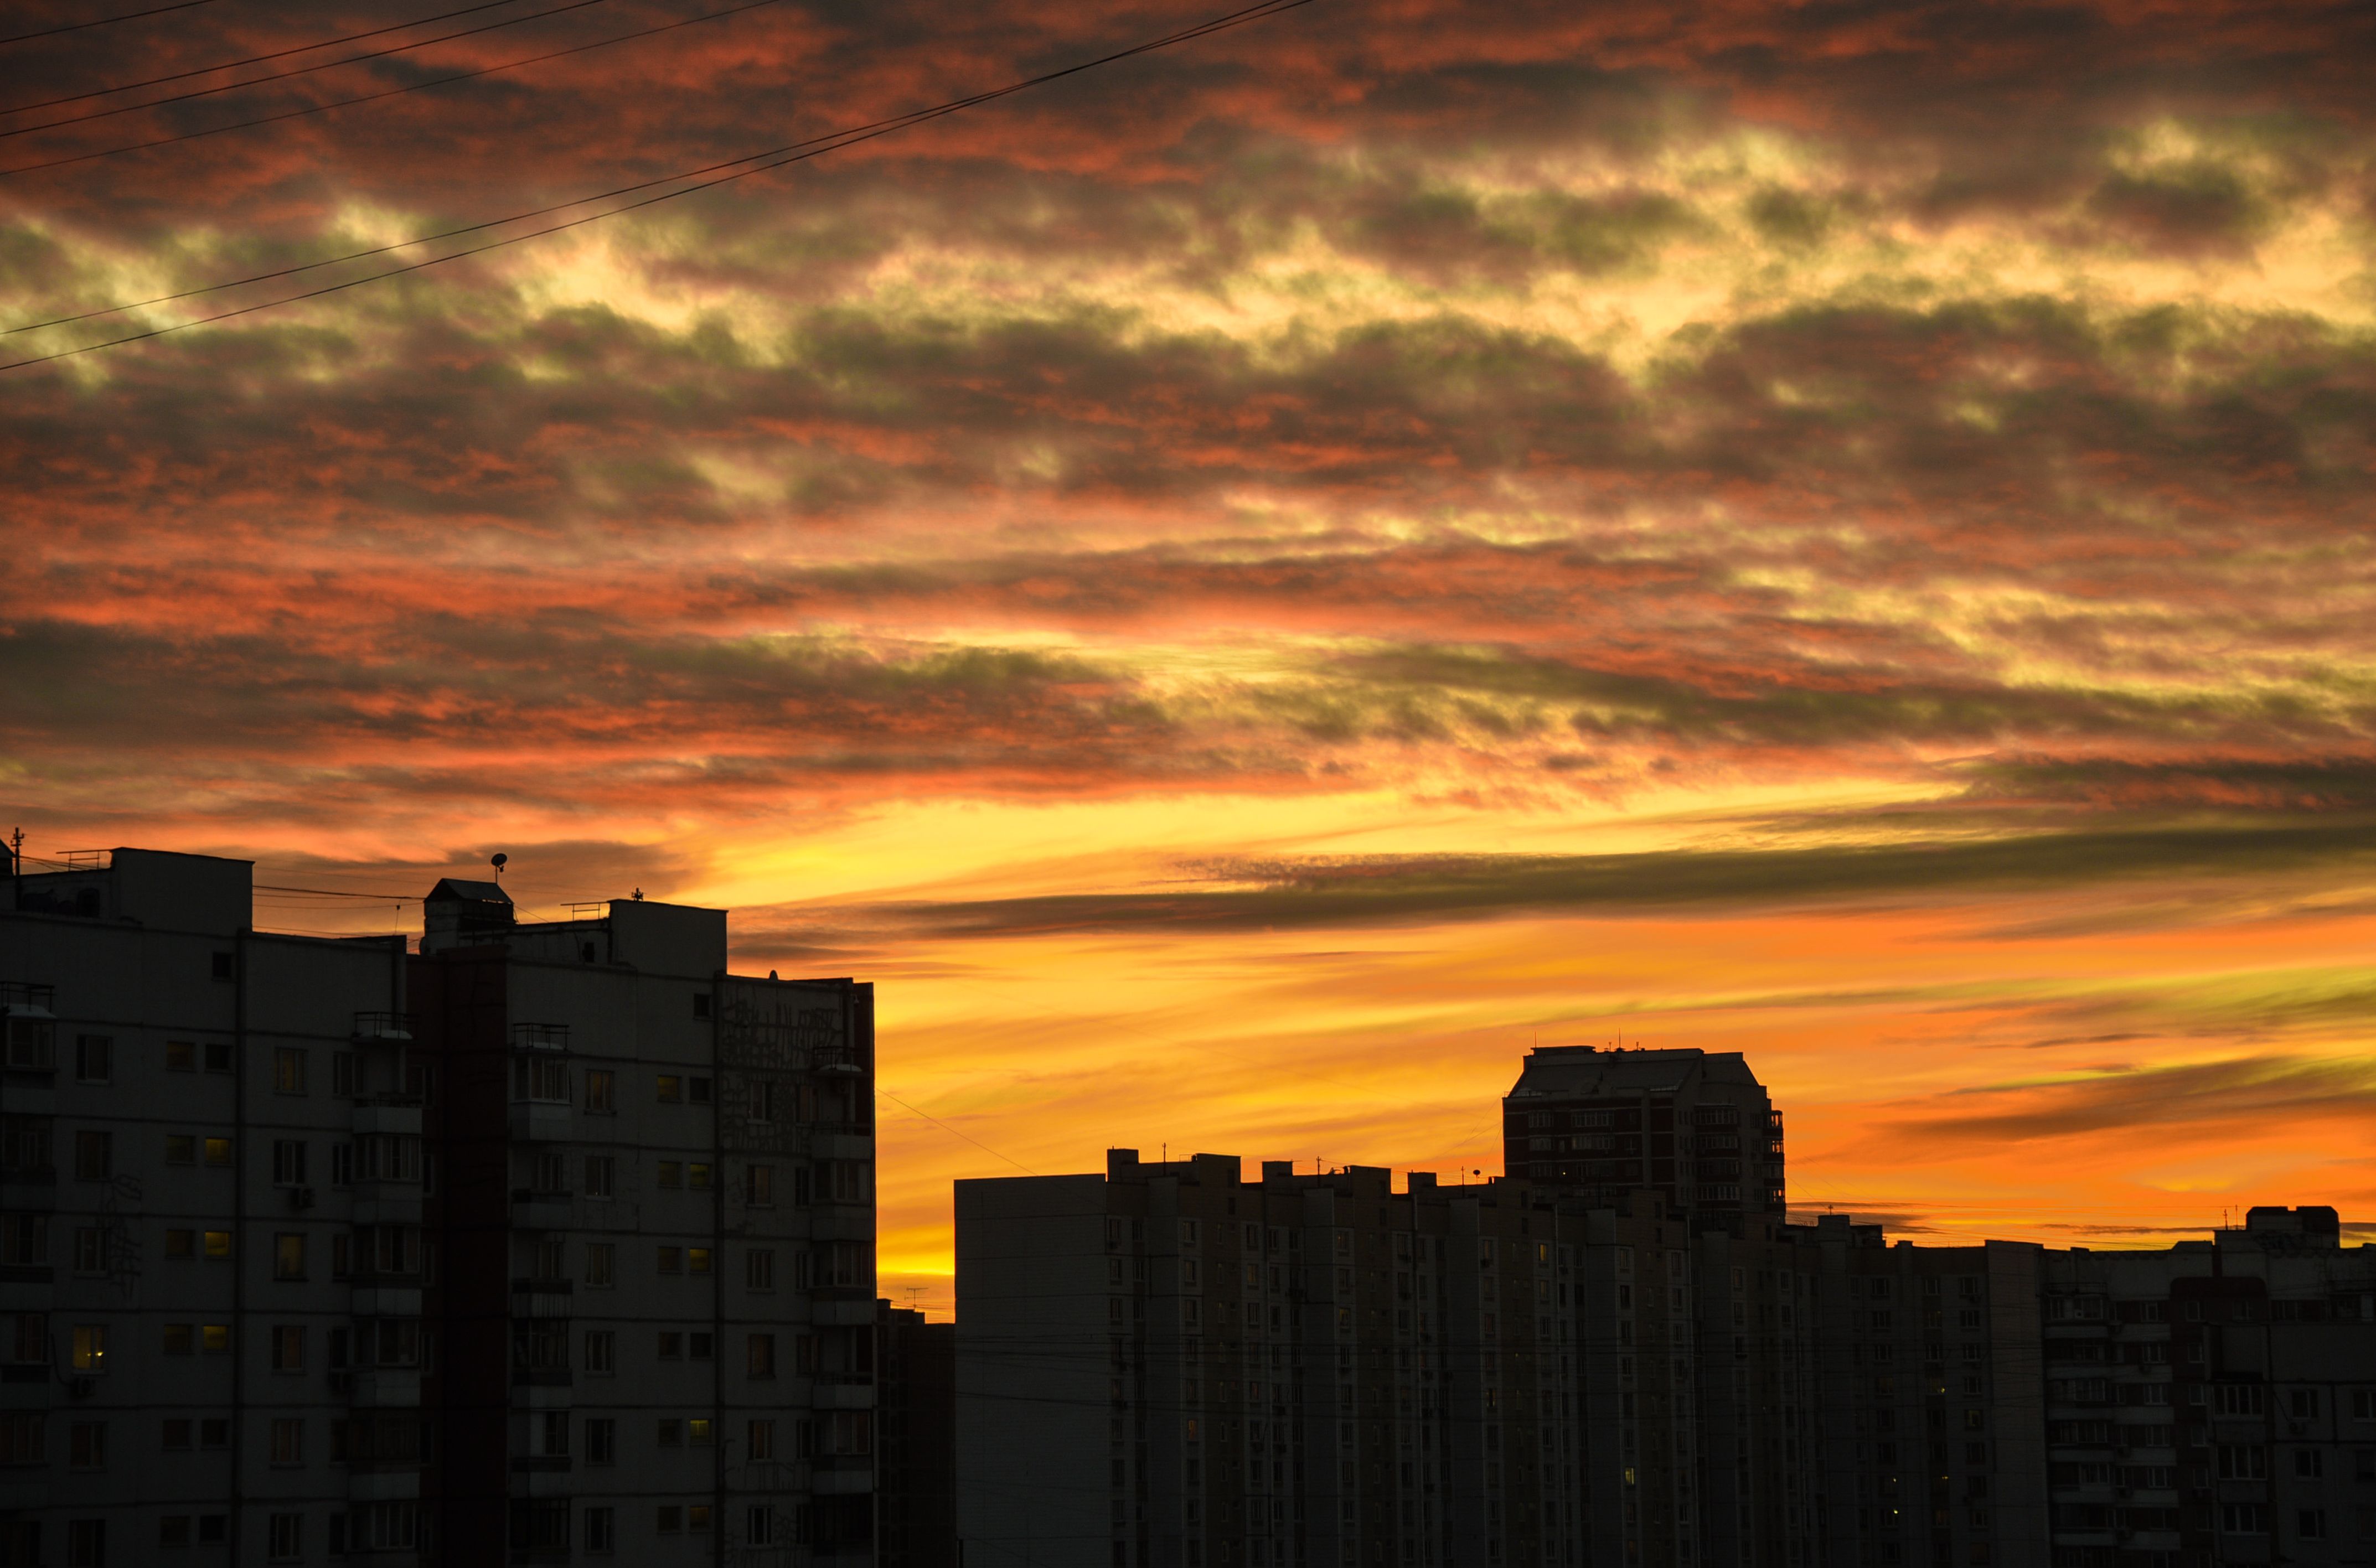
(371, 97)
(103, 21)
(946, 1128)
(793, 152)
(260, 59)
(299, 71)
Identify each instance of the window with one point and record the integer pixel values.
(94, 1058)
(288, 1163)
(602, 1440)
(176, 1434)
(601, 1259)
(2237, 1399)
(214, 1338)
(701, 1005)
(670, 1520)
(758, 1525)
(672, 1260)
(601, 1529)
(540, 1078)
(2310, 1464)
(696, 1519)
(219, 1153)
(699, 1433)
(2310, 1523)
(2303, 1403)
(181, 1148)
(90, 1348)
(700, 1346)
(28, 1345)
(602, 1175)
(759, 1269)
(696, 1259)
(602, 1350)
(94, 1156)
(289, 1255)
(759, 1186)
(672, 1089)
(217, 1243)
(698, 1090)
(696, 1177)
(213, 1432)
(671, 1174)
(87, 1445)
(288, 1076)
(345, 1081)
(90, 1250)
(25, 1239)
(181, 1338)
(760, 1440)
(218, 1060)
(671, 1345)
(762, 1356)
(285, 1538)
(32, 1044)
(669, 1433)
(763, 1100)
(342, 1165)
(288, 1439)
(20, 1439)
(599, 1090)
(288, 1347)
(181, 1056)
(87, 1539)
(2243, 1518)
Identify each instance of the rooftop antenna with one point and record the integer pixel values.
(499, 862)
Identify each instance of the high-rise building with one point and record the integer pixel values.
(551, 1242)
(915, 1439)
(1170, 1366)
(1695, 1127)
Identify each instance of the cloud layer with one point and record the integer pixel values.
(1423, 493)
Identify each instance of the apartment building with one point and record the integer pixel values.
(551, 1243)
(915, 1439)
(1695, 1127)
(1930, 1414)
(2214, 1402)
(176, 1242)
(655, 1309)
(1169, 1365)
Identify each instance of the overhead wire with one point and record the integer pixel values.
(260, 59)
(300, 71)
(102, 22)
(761, 162)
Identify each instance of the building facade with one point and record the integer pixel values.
(1694, 1127)
(1169, 1365)
(551, 1243)
(915, 1439)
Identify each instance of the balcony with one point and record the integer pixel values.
(385, 1301)
(533, 1210)
(373, 1028)
(374, 1483)
(841, 1473)
(539, 1121)
(385, 1388)
(836, 1393)
(542, 1298)
(398, 1114)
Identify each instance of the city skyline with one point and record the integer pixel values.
(1248, 588)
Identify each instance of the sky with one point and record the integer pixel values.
(1246, 588)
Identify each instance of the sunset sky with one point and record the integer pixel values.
(1247, 587)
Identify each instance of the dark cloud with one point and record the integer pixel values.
(1416, 889)
(2260, 1089)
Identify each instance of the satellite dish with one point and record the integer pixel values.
(499, 863)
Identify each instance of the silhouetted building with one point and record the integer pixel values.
(1169, 1366)
(553, 1240)
(915, 1439)
(1695, 1127)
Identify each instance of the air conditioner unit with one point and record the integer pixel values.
(80, 1387)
